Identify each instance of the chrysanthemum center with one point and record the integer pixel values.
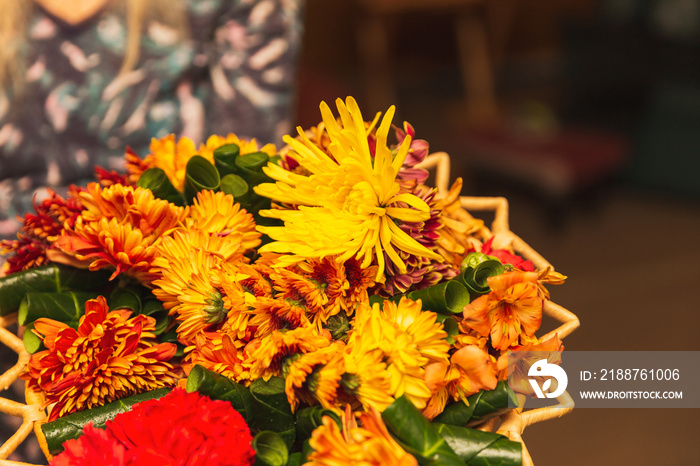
(214, 311)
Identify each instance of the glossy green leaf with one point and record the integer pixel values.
(481, 406)
(448, 297)
(71, 426)
(218, 387)
(270, 449)
(478, 448)
(225, 159)
(200, 175)
(47, 278)
(64, 306)
(272, 409)
(160, 185)
(417, 435)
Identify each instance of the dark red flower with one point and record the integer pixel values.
(40, 230)
(109, 177)
(181, 428)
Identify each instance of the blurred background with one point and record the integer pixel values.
(586, 115)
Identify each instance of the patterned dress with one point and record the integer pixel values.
(235, 73)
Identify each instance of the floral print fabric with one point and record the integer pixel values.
(235, 73)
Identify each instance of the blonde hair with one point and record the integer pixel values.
(16, 15)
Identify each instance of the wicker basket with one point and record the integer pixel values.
(511, 424)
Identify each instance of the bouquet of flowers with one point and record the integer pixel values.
(234, 304)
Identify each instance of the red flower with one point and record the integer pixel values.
(506, 257)
(109, 177)
(181, 428)
(96, 447)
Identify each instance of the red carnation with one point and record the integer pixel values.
(96, 447)
(181, 428)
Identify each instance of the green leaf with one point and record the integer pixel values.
(64, 306)
(158, 182)
(417, 435)
(473, 259)
(51, 277)
(270, 449)
(237, 187)
(476, 278)
(481, 406)
(225, 159)
(295, 459)
(252, 163)
(218, 387)
(142, 301)
(272, 409)
(450, 326)
(32, 343)
(308, 419)
(478, 448)
(448, 297)
(71, 426)
(126, 297)
(200, 175)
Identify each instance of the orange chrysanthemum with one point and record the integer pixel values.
(218, 214)
(315, 376)
(219, 353)
(121, 227)
(512, 308)
(200, 289)
(272, 314)
(369, 445)
(269, 357)
(110, 356)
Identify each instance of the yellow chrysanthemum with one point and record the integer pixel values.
(350, 203)
(121, 226)
(369, 445)
(409, 338)
(215, 141)
(172, 156)
(366, 378)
